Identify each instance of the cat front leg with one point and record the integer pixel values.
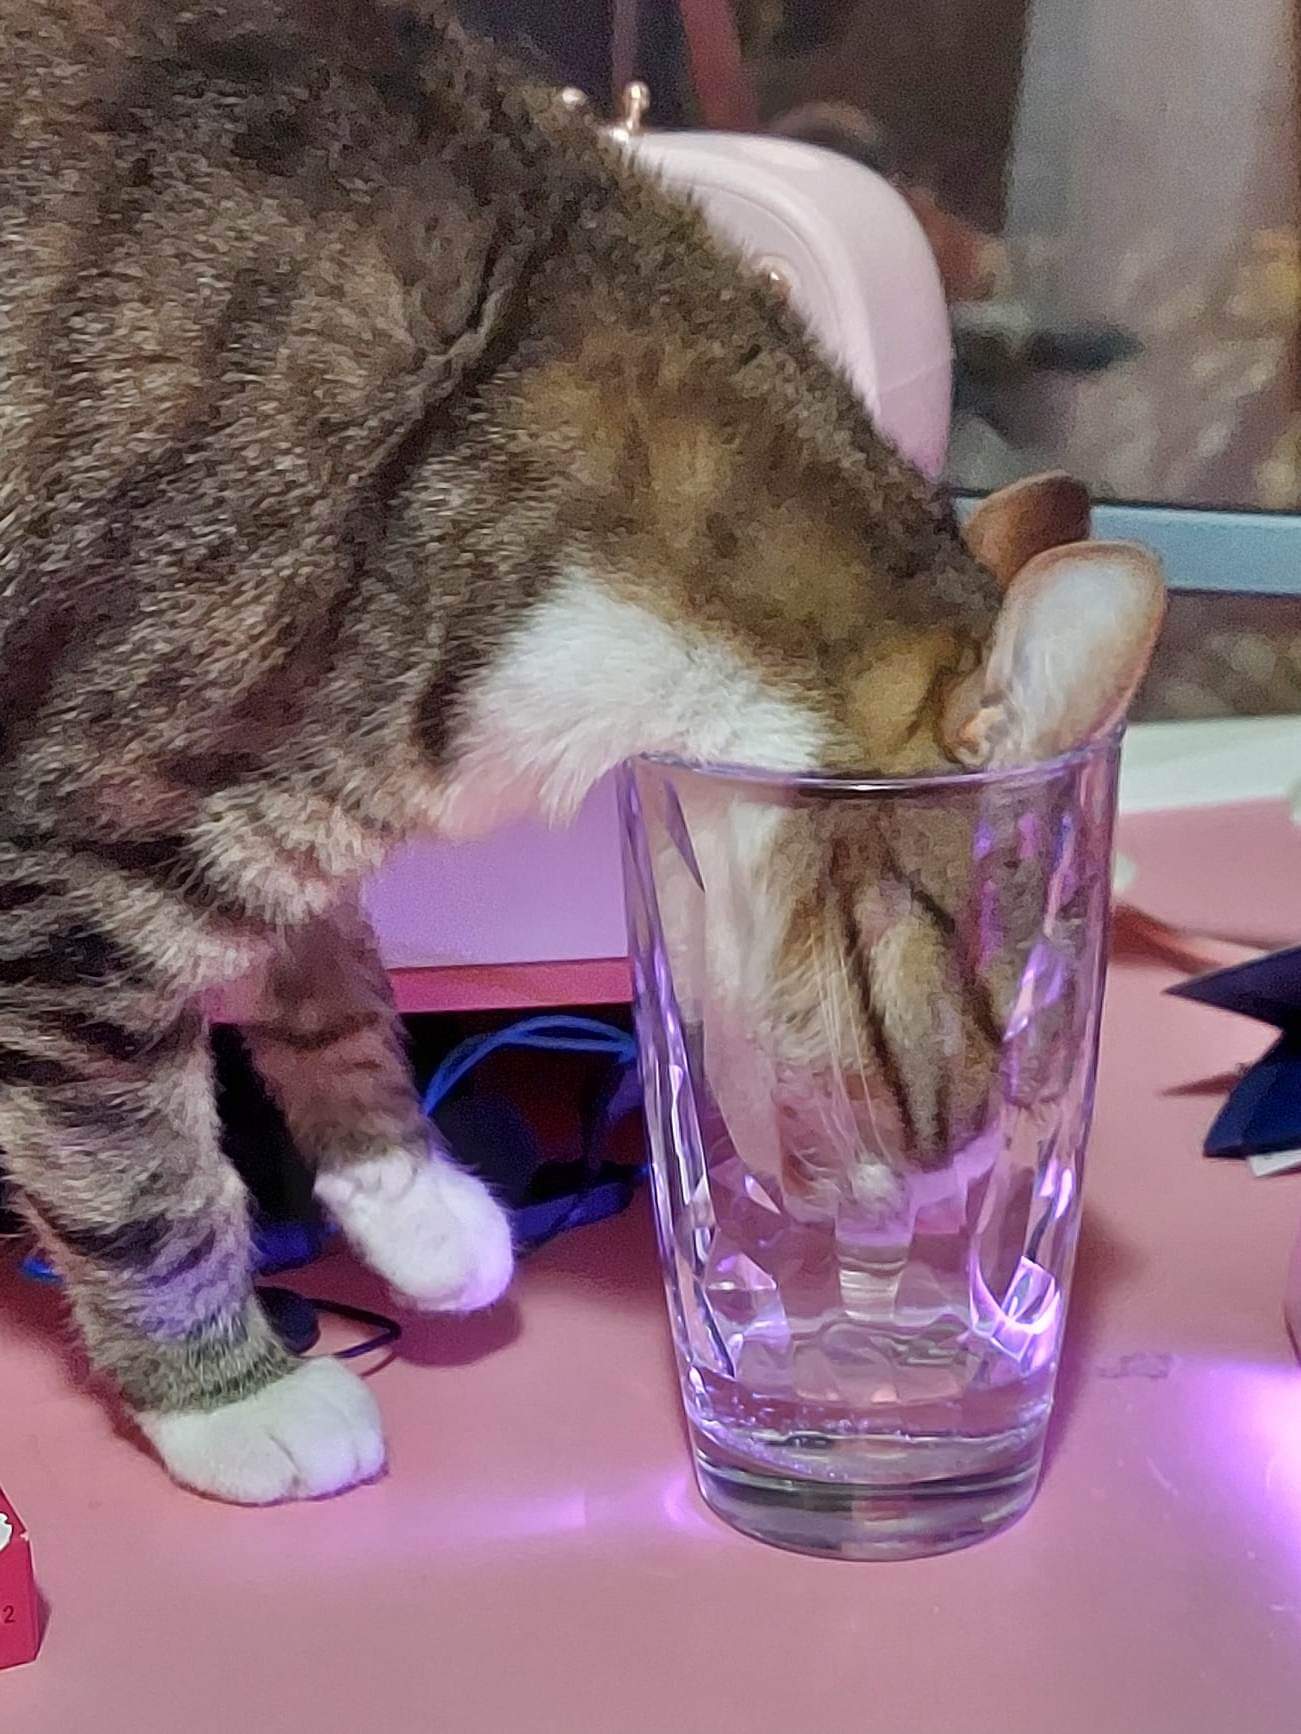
(109, 1130)
(326, 1038)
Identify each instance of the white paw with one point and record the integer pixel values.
(316, 1431)
(434, 1232)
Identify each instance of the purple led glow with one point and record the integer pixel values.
(1024, 1326)
(1029, 836)
(1065, 1194)
(594, 1511)
(1239, 1466)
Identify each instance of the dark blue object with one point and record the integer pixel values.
(292, 1317)
(281, 1245)
(37, 1269)
(487, 1132)
(606, 1196)
(1263, 1112)
(545, 1199)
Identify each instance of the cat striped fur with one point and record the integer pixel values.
(384, 454)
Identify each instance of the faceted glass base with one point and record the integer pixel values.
(849, 1520)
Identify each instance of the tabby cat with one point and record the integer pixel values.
(384, 454)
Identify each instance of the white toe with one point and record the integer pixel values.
(434, 1232)
(314, 1432)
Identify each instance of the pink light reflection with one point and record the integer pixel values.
(1243, 1439)
(681, 1504)
(589, 1516)
(1065, 1193)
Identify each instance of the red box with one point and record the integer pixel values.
(20, 1624)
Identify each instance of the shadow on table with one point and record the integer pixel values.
(1105, 1261)
(1218, 1084)
(36, 1310)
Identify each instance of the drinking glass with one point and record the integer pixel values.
(867, 1012)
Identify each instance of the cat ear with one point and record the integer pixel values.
(1070, 645)
(1008, 529)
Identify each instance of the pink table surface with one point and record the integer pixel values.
(537, 1559)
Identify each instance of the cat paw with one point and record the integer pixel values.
(316, 1431)
(434, 1233)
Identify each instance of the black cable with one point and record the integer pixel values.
(387, 1331)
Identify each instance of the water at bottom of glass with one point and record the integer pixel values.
(797, 1483)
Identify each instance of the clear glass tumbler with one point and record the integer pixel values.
(868, 1020)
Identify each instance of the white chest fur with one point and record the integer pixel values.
(859, 268)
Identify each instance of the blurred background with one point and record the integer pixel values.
(1113, 193)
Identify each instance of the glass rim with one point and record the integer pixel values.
(848, 783)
